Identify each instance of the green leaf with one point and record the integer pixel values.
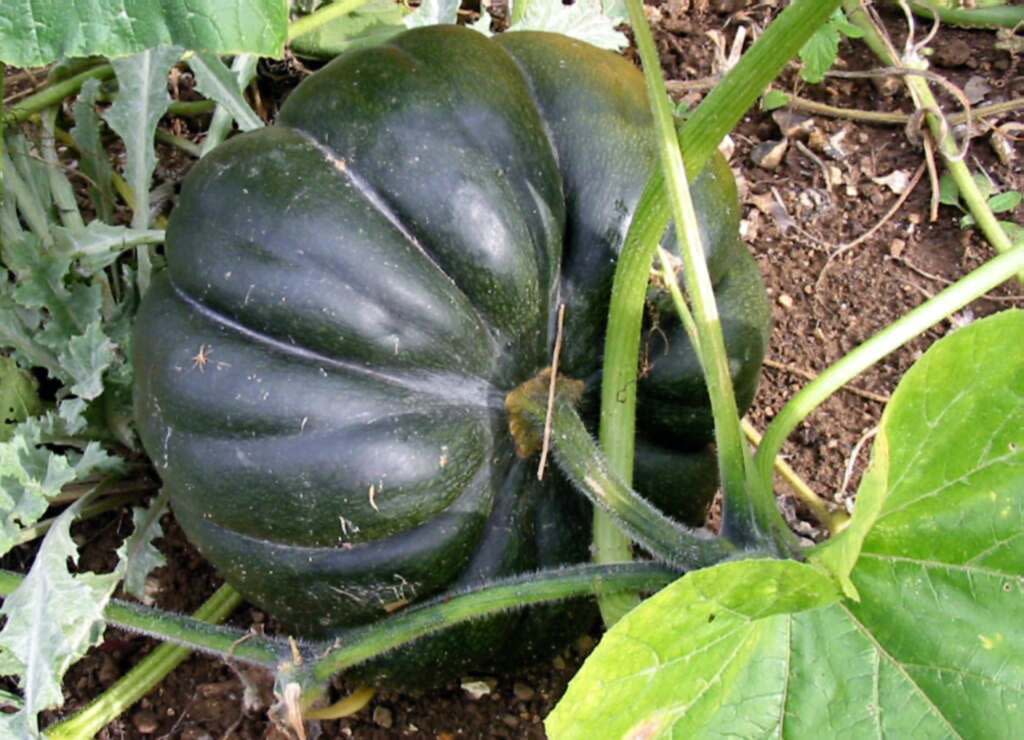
(18, 397)
(949, 191)
(137, 553)
(820, 53)
(31, 474)
(708, 652)
(37, 32)
(822, 50)
(985, 185)
(140, 104)
(92, 156)
(19, 331)
(373, 23)
(934, 646)
(432, 13)
(40, 284)
(946, 441)
(584, 20)
(1014, 231)
(85, 359)
(217, 82)
(100, 244)
(53, 618)
(774, 99)
(1004, 202)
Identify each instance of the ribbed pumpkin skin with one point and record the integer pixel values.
(351, 294)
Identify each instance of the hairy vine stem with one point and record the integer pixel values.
(699, 137)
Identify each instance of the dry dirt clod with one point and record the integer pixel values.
(768, 154)
(954, 53)
(786, 301)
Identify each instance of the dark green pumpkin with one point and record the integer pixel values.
(351, 293)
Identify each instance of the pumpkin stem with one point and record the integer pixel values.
(519, 402)
(582, 462)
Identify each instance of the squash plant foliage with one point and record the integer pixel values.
(341, 378)
(353, 294)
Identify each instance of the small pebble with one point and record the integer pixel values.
(382, 717)
(558, 663)
(475, 689)
(523, 692)
(510, 719)
(786, 301)
(768, 154)
(955, 53)
(896, 247)
(145, 722)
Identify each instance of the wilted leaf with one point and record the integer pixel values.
(18, 397)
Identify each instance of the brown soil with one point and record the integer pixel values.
(819, 316)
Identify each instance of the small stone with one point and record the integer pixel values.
(768, 154)
(510, 719)
(896, 247)
(523, 692)
(1001, 145)
(727, 147)
(793, 125)
(382, 717)
(786, 301)
(145, 722)
(558, 663)
(475, 689)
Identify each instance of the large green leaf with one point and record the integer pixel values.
(708, 651)
(948, 457)
(37, 32)
(934, 647)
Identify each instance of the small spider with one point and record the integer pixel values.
(202, 357)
